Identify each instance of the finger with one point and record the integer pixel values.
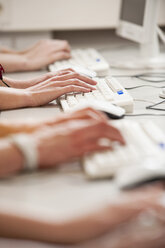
(92, 113)
(76, 82)
(83, 114)
(91, 147)
(65, 71)
(106, 130)
(53, 74)
(76, 75)
(99, 129)
(73, 88)
(62, 45)
(60, 56)
(114, 134)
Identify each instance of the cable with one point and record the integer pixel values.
(1, 75)
(142, 100)
(156, 104)
(5, 83)
(161, 34)
(145, 114)
(144, 85)
(147, 74)
(152, 75)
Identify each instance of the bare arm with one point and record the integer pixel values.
(60, 143)
(45, 91)
(11, 159)
(13, 98)
(101, 220)
(36, 57)
(7, 128)
(13, 62)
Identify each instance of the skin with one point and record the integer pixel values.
(43, 89)
(87, 227)
(74, 135)
(7, 128)
(36, 57)
(59, 141)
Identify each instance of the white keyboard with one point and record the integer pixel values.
(84, 58)
(108, 89)
(143, 141)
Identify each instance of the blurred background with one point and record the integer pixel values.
(24, 22)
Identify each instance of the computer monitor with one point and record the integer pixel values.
(138, 22)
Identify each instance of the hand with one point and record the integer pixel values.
(36, 57)
(105, 220)
(46, 52)
(66, 139)
(44, 91)
(6, 128)
(113, 221)
(56, 86)
(82, 114)
(26, 83)
(72, 139)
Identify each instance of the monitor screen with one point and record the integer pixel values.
(133, 11)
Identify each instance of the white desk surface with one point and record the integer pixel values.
(70, 188)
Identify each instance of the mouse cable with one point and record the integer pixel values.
(153, 104)
(144, 114)
(144, 85)
(143, 100)
(144, 76)
(151, 107)
(156, 104)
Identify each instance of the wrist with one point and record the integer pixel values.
(27, 145)
(24, 98)
(14, 162)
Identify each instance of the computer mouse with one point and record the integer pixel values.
(111, 110)
(150, 169)
(82, 70)
(100, 68)
(162, 93)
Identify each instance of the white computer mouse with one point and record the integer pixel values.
(135, 175)
(162, 93)
(101, 69)
(111, 110)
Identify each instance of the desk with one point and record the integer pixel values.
(70, 187)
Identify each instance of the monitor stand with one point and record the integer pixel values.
(149, 55)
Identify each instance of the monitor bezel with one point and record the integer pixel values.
(137, 33)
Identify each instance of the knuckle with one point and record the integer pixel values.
(44, 42)
(63, 54)
(50, 74)
(69, 69)
(52, 80)
(77, 81)
(65, 42)
(75, 74)
(102, 125)
(71, 87)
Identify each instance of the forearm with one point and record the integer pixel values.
(13, 98)
(11, 160)
(13, 62)
(7, 129)
(4, 49)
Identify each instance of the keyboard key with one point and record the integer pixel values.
(140, 146)
(88, 58)
(114, 84)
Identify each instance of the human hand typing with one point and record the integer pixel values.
(43, 53)
(58, 85)
(44, 89)
(74, 138)
(46, 52)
